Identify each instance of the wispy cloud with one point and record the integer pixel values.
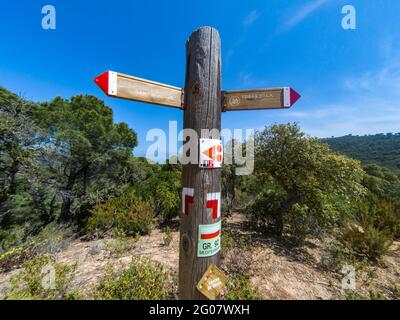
(359, 117)
(247, 80)
(302, 13)
(368, 103)
(251, 18)
(385, 79)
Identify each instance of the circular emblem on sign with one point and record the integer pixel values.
(234, 101)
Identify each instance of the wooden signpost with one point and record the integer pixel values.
(202, 102)
(122, 86)
(259, 99)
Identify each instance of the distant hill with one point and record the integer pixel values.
(383, 149)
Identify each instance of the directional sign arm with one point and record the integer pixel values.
(122, 86)
(276, 98)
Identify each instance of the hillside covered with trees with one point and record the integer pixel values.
(382, 149)
(69, 175)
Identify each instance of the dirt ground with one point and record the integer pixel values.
(277, 272)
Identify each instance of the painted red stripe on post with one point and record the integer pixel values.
(213, 205)
(188, 200)
(210, 235)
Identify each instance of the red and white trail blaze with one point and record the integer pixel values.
(187, 198)
(214, 203)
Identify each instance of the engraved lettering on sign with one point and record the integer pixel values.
(256, 96)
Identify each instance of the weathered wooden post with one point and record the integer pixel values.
(202, 110)
(202, 102)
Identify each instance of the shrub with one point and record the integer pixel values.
(227, 243)
(239, 288)
(127, 213)
(303, 188)
(142, 280)
(335, 255)
(371, 232)
(167, 236)
(166, 202)
(11, 237)
(121, 244)
(368, 241)
(29, 283)
(387, 217)
(238, 260)
(15, 257)
(49, 240)
(352, 295)
(163, 191)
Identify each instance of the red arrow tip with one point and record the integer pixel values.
(102, 82)
(294, 96)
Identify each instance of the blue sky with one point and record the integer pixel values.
(349, 79)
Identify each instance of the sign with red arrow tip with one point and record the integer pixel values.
(202, 101)
(122, 86)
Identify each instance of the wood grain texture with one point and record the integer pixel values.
(137, 89)
(202, 110)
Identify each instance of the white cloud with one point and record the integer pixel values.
(302, 13)
(385, 79)
(251, 18)
(353, 116)
(369, 104)
(247, 80)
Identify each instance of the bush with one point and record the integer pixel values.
(239, 288)
(238, 259)
(372, 230)
(304, 189)
(15, 257)
(29, 283)
(121, 244)
(387, 217)
(336, 255)
(167, 237)
(127, 213)
(163, 191)
(49, 240)
(368, 241)
(142, 280)
(11, 237)
(227, 243)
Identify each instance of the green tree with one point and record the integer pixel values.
(302, 184)
(26, 194)
(163, 190)
(86, 148)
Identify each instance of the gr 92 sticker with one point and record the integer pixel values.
(209, 241)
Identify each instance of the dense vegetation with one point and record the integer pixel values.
(382, 149)
(65, 165)
(67, 162)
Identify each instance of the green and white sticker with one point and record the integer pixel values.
(209, 241)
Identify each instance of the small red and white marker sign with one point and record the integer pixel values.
(211, 153)
(214, 203)
(209, 241)
(187, 199)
